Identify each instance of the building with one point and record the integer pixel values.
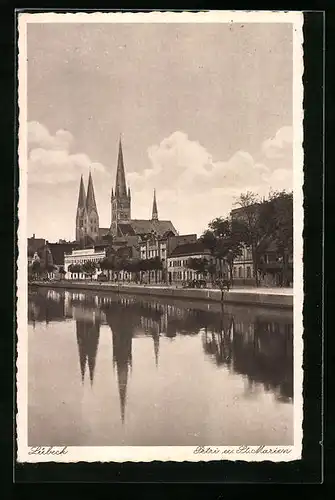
(270, 261)
(34, 247)
(153, 245)
(121, 222)
(271, 266)
(87, 217)
(177, 265)
(79, 257)
(122, 225)
(58, 251)
(243, 267)
(34, 244)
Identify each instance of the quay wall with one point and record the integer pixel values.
(252, 297)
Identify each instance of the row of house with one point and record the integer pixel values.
(173, 251)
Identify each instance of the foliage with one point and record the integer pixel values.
(36, 267)
(61, 271)
(224, 238)
(276, 222)
(89, 267)
(199, 265)
(75, 268)
(211, 269)
(251, 233)
(276, 219)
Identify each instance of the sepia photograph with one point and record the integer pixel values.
(160, 277)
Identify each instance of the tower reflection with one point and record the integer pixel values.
(256, 345)
(122, 326)
(88, 332)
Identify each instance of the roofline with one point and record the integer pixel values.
(199, 252)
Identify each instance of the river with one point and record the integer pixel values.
(112, 370)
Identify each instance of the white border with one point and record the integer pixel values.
(147, 454)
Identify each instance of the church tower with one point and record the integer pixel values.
(120, 198)
(154, 208)
(81, 217)
(92, 211)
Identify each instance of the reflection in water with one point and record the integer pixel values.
(257, 345)
(122, 325)
(88, 340)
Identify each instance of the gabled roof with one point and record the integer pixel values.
(103, 231)
(189, 249)
(125, 229)
(144, 226)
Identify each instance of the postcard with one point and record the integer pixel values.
(160, 265)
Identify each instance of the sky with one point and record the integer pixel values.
(204, 111)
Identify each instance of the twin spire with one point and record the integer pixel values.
(88, 202)
(90, 199)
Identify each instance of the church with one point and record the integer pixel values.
(122, 226)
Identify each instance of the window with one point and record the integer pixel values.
(235, 271)
(240, 272)
(248, 272)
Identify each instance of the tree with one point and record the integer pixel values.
(251, 232)
(147, 267)
(62, 272)
(36, 267)
(133, 266)
(276, 222)
(224, 238)
(199, 265)
(89, 268)
(211, 269)
(143, 267)
(75, 268)
(156, 265)
(50, 268)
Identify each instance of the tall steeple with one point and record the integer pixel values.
(90, 200)
(82, 194)
(120, 198)
(120, 182)
(81, 216)
(154, 208)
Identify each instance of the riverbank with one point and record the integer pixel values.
(281, 297)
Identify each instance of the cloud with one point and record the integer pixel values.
(39, 136)
(50, 160)
(193, 188)
(280, 145)
(184, 165)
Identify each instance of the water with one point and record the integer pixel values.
(109, 370)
